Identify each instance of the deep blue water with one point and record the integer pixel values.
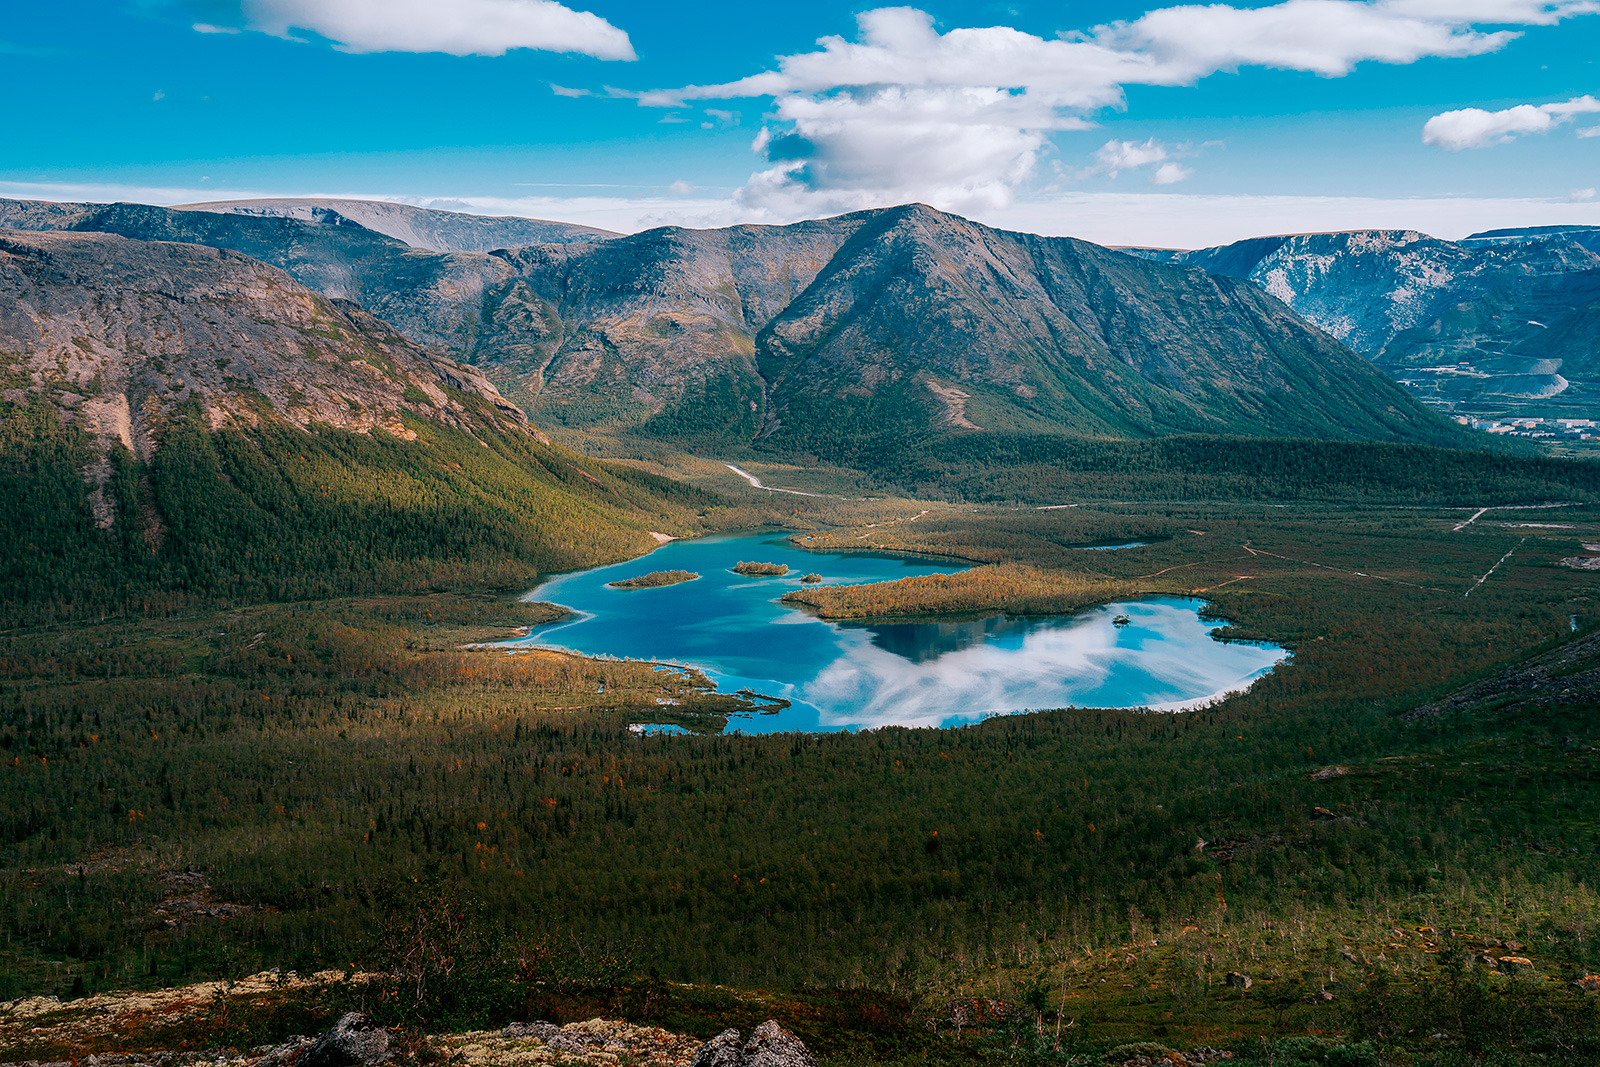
(851, 676)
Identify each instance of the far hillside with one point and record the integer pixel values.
(1501, 323)
(826, 337)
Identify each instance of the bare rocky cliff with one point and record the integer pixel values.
(119, 333)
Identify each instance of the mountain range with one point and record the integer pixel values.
(815, 337)
(1504, 316)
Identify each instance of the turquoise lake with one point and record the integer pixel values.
(846, 676)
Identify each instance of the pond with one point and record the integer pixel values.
(845, 676)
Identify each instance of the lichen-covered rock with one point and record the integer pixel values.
(773, 1046)
(538, 1029)
(592, 1043)
(724, 1050)
(354, 1041)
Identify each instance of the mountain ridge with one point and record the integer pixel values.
(678, 334)
(1048, 334)
(1501, 304)
(432, 229)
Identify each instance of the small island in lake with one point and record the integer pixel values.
(761, 570)
(654, 580)
(811, 579)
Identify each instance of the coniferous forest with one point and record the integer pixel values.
(251, 725)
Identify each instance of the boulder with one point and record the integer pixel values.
(1589, 983)
(724, 1050)
(770, 1046)
(354, 1041)
(1516, 963)
(1236, 980)
(773, 1046)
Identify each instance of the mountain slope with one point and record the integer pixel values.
(124, 332)
(1458, 320)
(181, 422)
(901, 320)
(432, 298)
(936, 321)
(426, 228)
(909, 320)
(657, 329)
(1573, 339)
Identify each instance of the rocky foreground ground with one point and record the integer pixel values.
(109, 1027)
(157, 1028)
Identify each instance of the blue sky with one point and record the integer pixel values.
(1124, 123)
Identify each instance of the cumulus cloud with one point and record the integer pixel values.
(459, 27)
(1117, 156)
(960, 118)
(1473, 127)
(1114, 157)
(1169, 173)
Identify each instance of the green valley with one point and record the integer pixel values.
(260, 547)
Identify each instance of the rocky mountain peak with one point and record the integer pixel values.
(119, 334)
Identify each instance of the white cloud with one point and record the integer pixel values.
(1578, 196)
(1170, 174)
(562, 90)
(1473, 127)
(206, 27)
(961, 118)
(1589, 131)
(961, 149)
(1117, 156)
(681, 188)
(459, 27)
(1114, 157)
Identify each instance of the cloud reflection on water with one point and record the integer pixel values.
(922, 673)
(1166, 657)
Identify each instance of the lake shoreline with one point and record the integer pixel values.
(1013, 639)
